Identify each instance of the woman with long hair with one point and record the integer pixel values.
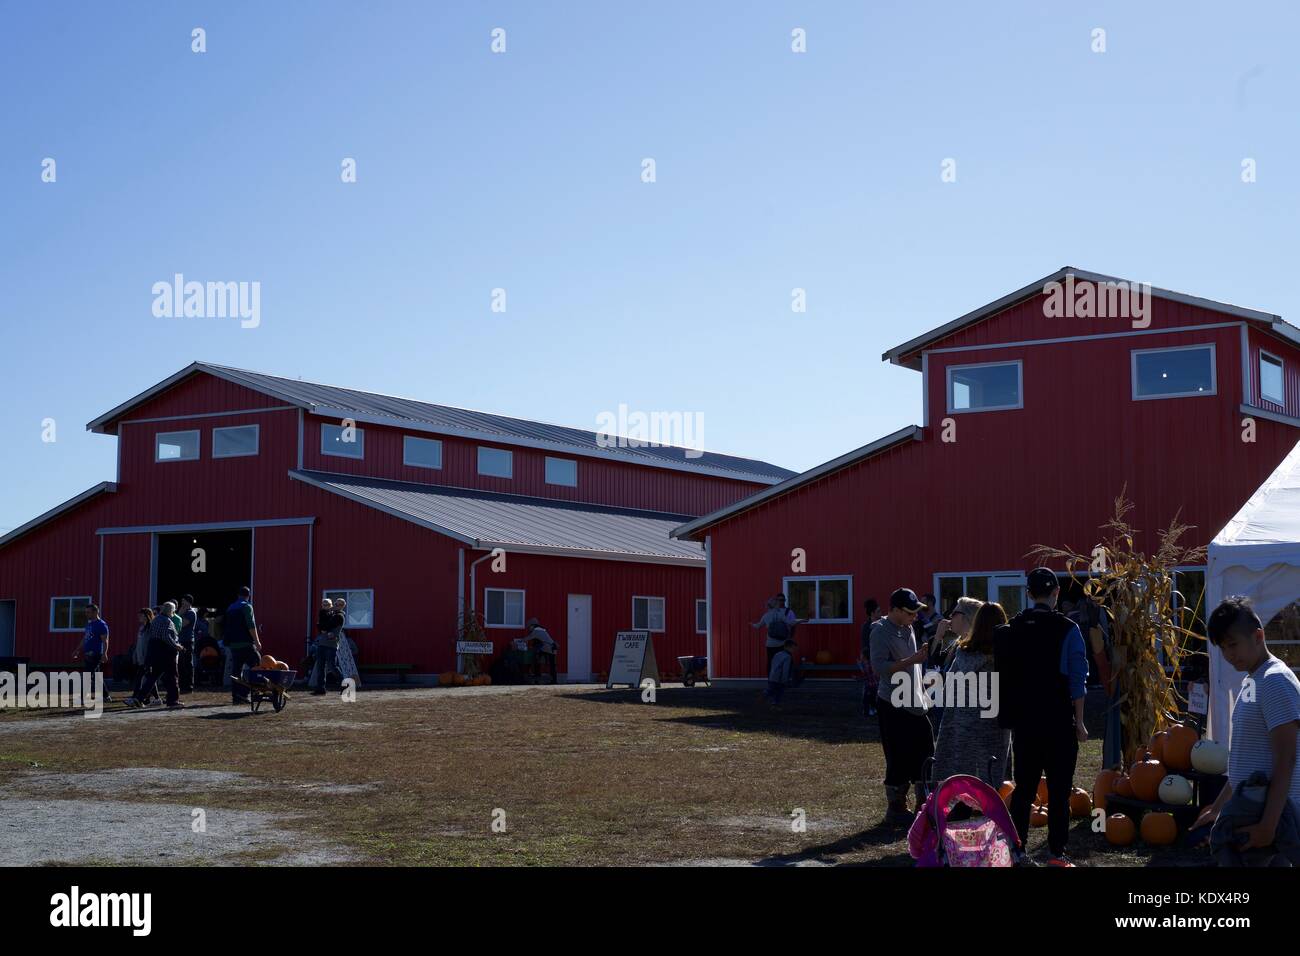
(970, 735)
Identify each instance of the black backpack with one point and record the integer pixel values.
(779, 629)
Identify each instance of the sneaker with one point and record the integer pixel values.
(1021, 858)
(1059, 860)
(131, 702)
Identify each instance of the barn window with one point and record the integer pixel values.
(68, 613)
(821, 600)
(176, 446)
(1272, 387)
(701, 616)
(360, 610)
(495, 462)
(503, 608)
(342, 442)
(1183, 372)
(561, 471)
(647, 614)
(234, 442)
(989, 387)
(421, 452)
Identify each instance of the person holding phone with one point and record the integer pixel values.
(901, 703)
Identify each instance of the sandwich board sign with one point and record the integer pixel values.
(634, 659)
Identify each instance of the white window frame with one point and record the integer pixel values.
(510, 460)
(523, 608)
(698, 629)
(257, 441)
(347, 596)
(1020, 387)
(663, 613)
(419, 464)
(1281, 366)
(562, 461)
(818, 579)
(198, 445)
(359, 444)
(1203, 346)
(68, 597)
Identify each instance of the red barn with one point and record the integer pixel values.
(1035, 417)
(305, 490)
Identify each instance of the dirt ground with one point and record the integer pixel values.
(468, 776)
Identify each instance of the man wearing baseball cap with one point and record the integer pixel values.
(1042, 668)
(901, 702)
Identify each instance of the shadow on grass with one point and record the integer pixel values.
(882, 834)
(237, 715)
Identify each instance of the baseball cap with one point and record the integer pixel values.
(1042, 581)
(905, 598)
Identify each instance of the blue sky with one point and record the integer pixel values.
(522, 171)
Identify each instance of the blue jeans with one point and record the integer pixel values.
(320, 670)
(775, 690)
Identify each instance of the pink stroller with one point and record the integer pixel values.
(989, 840)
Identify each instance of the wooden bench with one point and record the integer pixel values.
(400, 670)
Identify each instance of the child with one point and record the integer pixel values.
(779, 676)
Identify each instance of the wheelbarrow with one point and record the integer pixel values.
(693, 669)
(267, 685)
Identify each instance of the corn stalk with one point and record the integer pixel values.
(471, 629)
(1149, 642)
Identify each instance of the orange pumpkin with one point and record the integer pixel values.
(487, 679)
(1038, 816)
(281, 666)
(1146, 777)
(1042, 790)
(1120, 830)
(1156, 745)
(1178, 747)
(823, 657)
(1159, 828)
(1103, 786)
(1008, 787)
(268, 662)
(1080, 803)
(1123, 786)
(445, 678)
(460, 680)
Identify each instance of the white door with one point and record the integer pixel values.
(1009, 591)
(7, 628)
(578, 643)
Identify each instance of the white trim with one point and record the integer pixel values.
(57, 510)
(663, 613)
(818, 579)
(419, 464)
(1020, 387)
(1214, 372)
(359, 443)
(1246, 393)
(206, 526)
(1281, 363)
(347, 596)
(1270, 415)
(198, 445)
(523, 608)
(478, 462)
(925, 389)
(708, 596)
(182, 418)
(546, 467)
(300, 431)
(67, 597)
(705, 602)
(1067, 339)
(257, 441)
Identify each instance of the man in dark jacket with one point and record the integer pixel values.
(160, 659)
(1042, 668)
(240, 635)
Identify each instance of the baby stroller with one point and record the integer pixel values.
(988, 840)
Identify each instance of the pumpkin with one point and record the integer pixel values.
(823, 657)
(1103, 787)
(1156, 745)
(1123, 786)
(281, 666)
(1080, 803)
(459, 680)
(209, 654)
(1176, 790)
(1038, 816)
(1042, 790)
(1178, 747)
(1008, 787)
(445, 678)
(1137, 754)
(1120, 830)
(1210, 756)
(486, 679)
(268, 662)
(1146, 777)
(1159, 828)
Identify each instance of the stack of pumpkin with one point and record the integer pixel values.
(452, 679)
(1156, 776)
(1080, 802)
(269, 663)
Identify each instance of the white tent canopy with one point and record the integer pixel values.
(1256, 554)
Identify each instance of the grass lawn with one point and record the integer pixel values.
(585, 776)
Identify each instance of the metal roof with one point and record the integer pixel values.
(894, 355)
(373, 407)
(696, 525)
(518, 523)
(101, 488)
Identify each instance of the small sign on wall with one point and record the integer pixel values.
(473, 647)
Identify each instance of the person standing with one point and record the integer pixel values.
(870, 680)
(1042, 667)
(969, 737)
(163, 646)
(330, 624)
(780, 622)
(901, 703)
(542, 645)
(243, 643)
(189, 620)
(94, 644)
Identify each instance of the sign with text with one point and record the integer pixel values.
(1198, 701)
(634, 659)
(473, 647)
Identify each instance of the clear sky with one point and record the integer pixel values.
(522, 170)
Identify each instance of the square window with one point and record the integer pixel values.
(421, 452)
(503, 608)
(1272, 385)
(561, 471)
(647, 614)
(342, 442)
(234, 442)
(822, 600)
(360, 610)
(495, 462)
(68, 613)
(984, 388)
(1174, 373)
(176, 446)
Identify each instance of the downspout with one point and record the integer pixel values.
(708, 604)
(473, 593)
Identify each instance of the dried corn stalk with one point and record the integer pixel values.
(1149, 640)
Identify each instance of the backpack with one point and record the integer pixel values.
(779, 629)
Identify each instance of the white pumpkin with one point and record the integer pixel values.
(1210, 756)
(1176, 790)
